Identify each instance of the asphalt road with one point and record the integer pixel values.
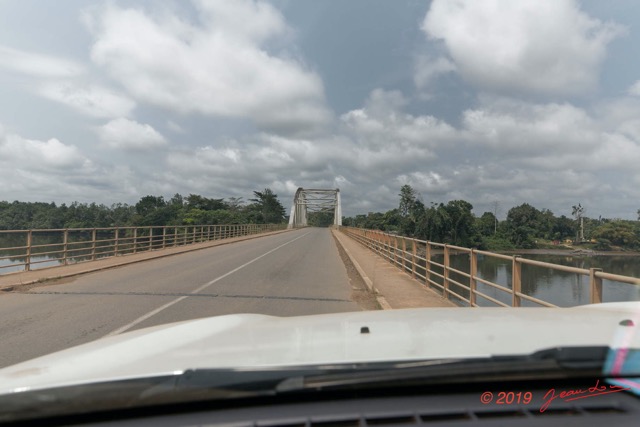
(289, 274)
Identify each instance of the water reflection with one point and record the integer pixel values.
(557, 287)
(47, 248)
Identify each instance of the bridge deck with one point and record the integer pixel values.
(395, 289)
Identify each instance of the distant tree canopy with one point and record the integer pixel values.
(320, 219)
(149, 210)
(267, 208)
(524, 227)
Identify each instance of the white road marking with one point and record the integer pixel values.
(195, 291)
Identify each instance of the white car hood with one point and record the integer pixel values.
(252, 340)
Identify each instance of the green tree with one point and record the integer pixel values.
(195, 201)
(523, 225)
(619, 233)
(235, 204)
(320, 219)
(563, 228)
(462, 229)
(267, 207)
(407, 200)
(486, 224)
(434, 224)
(153, 210)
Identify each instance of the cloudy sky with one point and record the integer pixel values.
(493, 100)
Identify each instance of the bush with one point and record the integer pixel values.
(495, 243)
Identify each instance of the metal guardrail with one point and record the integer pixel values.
(406, 254)
(29, 248)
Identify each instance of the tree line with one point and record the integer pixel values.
(525, 226)
(264, 208)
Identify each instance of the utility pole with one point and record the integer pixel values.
(495, 205)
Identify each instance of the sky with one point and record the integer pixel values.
(488, 101)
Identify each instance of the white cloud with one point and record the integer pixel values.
(130, 135)
(547, 154)
(384, 132)
(634, 89)
(60, 80)
(36, 64)
(175, 127)
(543, 47)
(431, 182)
(90, 100)
(51, 155)
(35, 170)
(522, 129)
(218, 67)
(428, 69)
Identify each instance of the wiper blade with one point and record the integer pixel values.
(223, 384)
(554, 363)
(229, 383)
(591, 357)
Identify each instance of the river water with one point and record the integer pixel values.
(557, 287)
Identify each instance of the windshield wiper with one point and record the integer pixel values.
(224, 384)
(560, 362)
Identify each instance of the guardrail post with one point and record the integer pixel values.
(404, 254)
(93, 244)
(27, 264)
(164, 236)
(115, 251)
(473, 272)
(516, 281)
(135, 239)
(427, 265)
(414, 258)
(150, 238)
(446, 272)
(595, 283)
(395, 249)
(65, 247)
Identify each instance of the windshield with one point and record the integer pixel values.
(270, 184)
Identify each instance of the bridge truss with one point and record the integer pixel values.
(314, 200)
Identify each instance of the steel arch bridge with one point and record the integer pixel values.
(314, 200)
